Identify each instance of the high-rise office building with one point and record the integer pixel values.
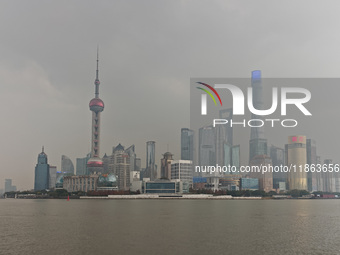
(319, 176)
(120, 167)
(138, 164)
(106, 161)
(311, 161)
(132, 155)
(95, 164)
(227, 114)
(296, 156)
(52, 177)
(265, 178)
(257, 142)
(220, 143)
(224, 139)
(207, 148)
(41, 176)
(235, 157)
(278, 159)
(166, 165)
(8, 186)
(227, 149)
(329, 180)
(81, 165)
(67, 165)
(182, 170)
(151, 169)
(187, 144)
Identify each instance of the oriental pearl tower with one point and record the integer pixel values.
(95, 164)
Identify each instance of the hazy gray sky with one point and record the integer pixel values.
(148, 52)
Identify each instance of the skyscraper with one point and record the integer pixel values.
(296, 156)
(311, 160)
(132, 155)
(106, 162)
(187, 144)
(166, 165)
(52, 177)
(207, 148)
(329, 177)
(8, 186)
(151, 169)
(95, 164)
(67, 165)
(182, 170)
(278, 159)
(81, 165)
(266, 178)
(227, 114)
(235, 157)
(224, 139)
(319, 176)
(138, 164)
(257, 143)
(41, 177)
(120, 167)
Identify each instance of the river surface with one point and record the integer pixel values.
(164, 227)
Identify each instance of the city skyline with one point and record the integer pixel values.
(70, 167)
(49, 76)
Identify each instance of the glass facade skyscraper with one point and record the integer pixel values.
(227, 114)
(52, 178)
(151, 170)
(187, 144)
(132, 155)
(81, 165)
(8, 186)
(67, 165)
(224, 138)
(257, 143)
(207, 153)
(41, 176)
(256, 84)
(265, 178)
(311, 160)
(227, 154)
(235, 157)
(278, 159)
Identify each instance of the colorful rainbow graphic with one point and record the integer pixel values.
(208, 92)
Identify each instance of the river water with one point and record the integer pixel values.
(169, 227)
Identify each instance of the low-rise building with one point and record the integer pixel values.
(83, 183)
(163, 186)
(249, 184)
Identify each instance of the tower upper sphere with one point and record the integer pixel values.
(96, 105)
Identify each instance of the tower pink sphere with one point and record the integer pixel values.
(96, 105)
(94, 162)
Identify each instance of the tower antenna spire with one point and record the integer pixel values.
(97, 71)
(97, 82)
(42, 148)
